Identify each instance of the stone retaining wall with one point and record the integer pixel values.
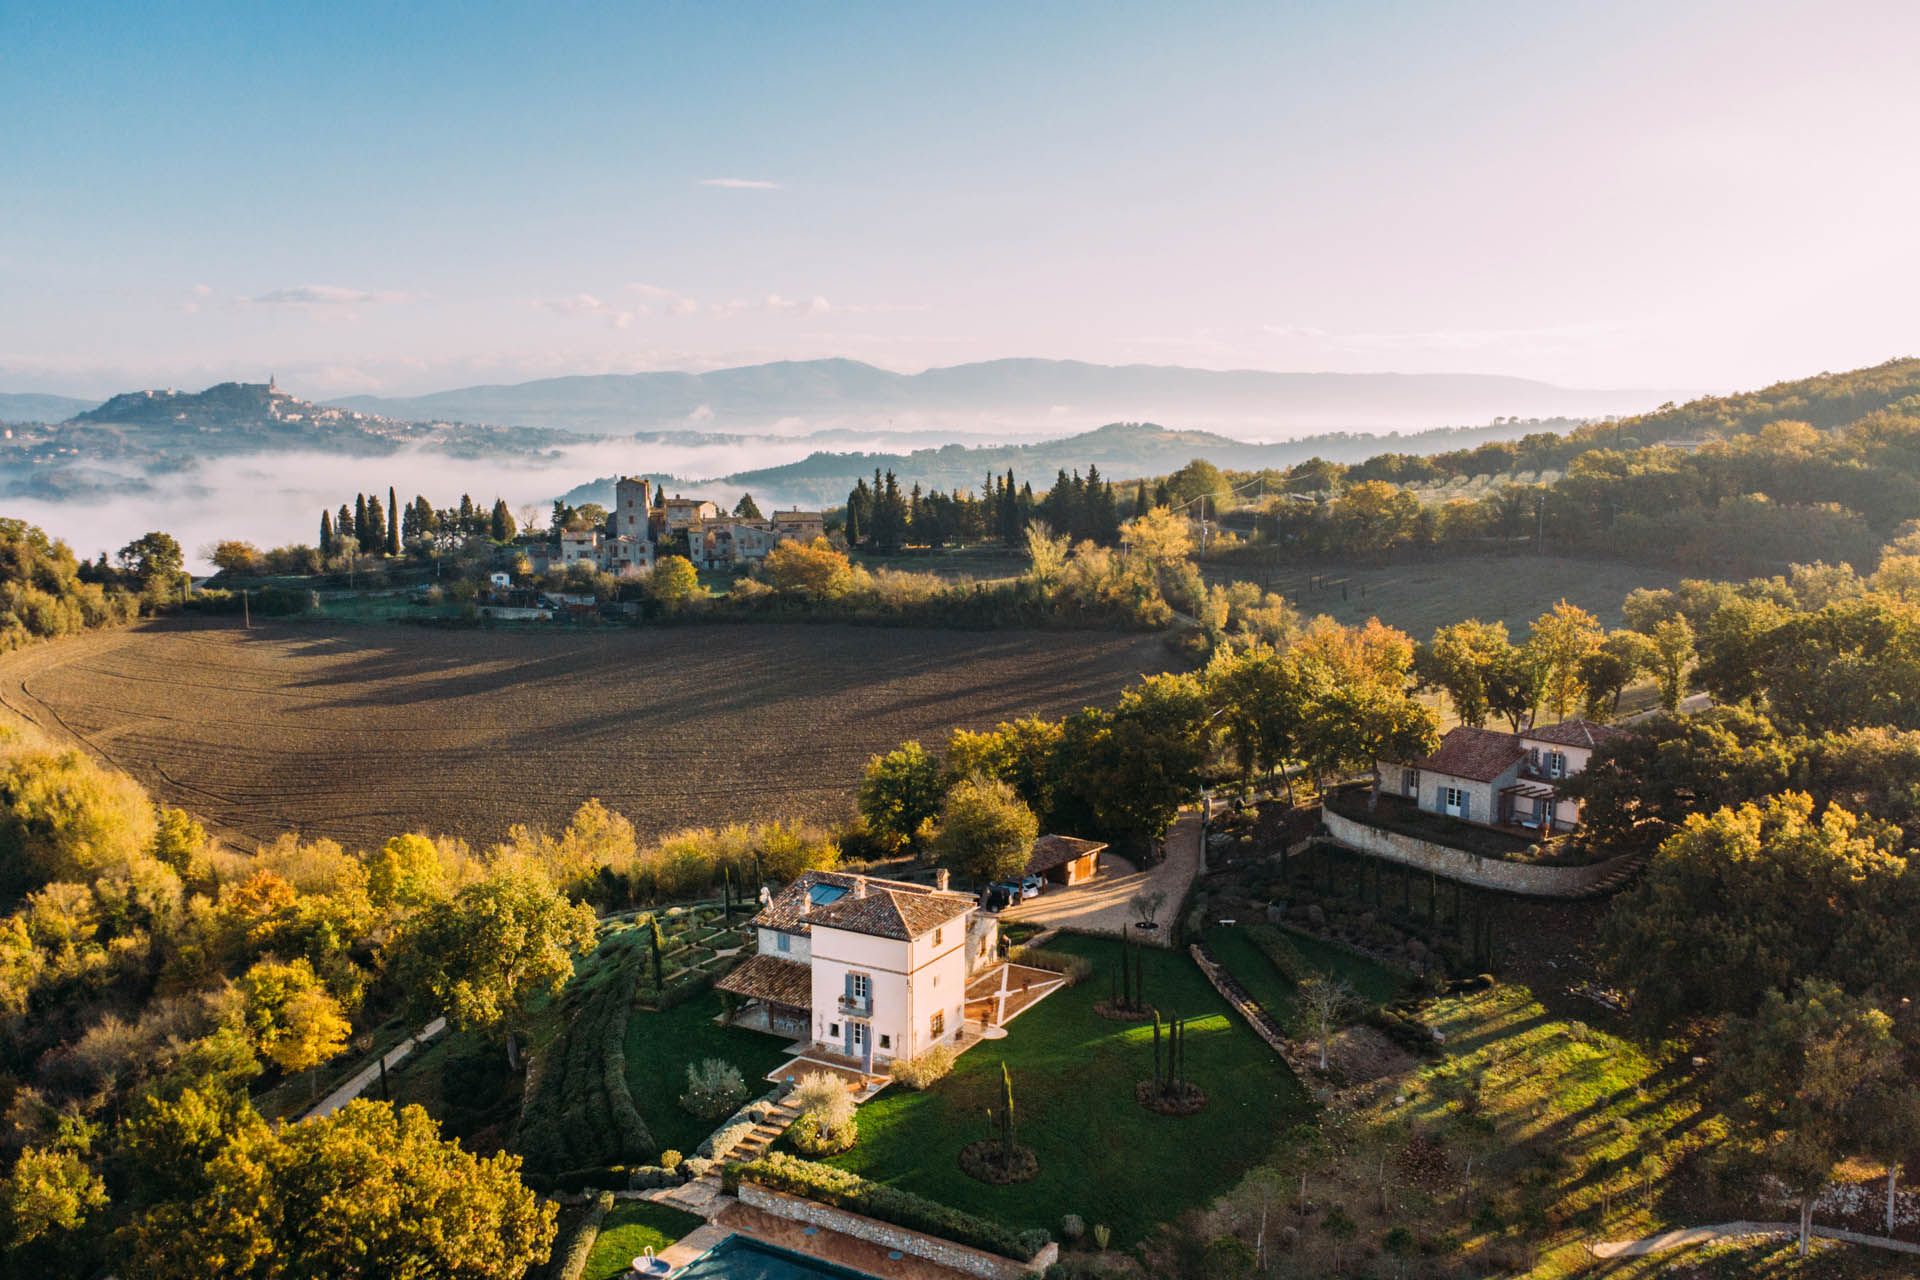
(1456, 864)
(946, 1253)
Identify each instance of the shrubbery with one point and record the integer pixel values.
(923, 1069)
(1075, 969)
(582, 1112)
(844, 1190)
(826, 1124)
(714, 1088)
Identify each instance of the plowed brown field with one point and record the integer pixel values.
(362, 732)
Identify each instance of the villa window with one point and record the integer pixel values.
(938, 1027)
(781, 942)
(1557, 764)
(886, 1042)
(936, 936)
(833, 1031)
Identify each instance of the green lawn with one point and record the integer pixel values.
(631, 1226)
(1375, 984)
(1102, 1156)
(660, 1047)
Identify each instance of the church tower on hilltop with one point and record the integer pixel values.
(632, 507)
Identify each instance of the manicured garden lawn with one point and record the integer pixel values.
(631, 1226)
(660, 1047)
(1102, 1155)
(1372, 983)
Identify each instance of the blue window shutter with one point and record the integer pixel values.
(849, 981)
(1466, 809)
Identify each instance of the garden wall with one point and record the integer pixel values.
(941, 1252)
(1467, 868)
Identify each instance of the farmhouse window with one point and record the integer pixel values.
(833, 1031)
(936, 935)
(1409, 783)
(938, 1026)
(1557, 764)
(782, 942)
(886, 1042)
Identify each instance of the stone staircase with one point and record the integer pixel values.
(767, 1132)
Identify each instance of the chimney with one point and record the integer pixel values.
(941, 879)
(859, 886)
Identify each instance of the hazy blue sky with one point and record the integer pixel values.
(377, 197)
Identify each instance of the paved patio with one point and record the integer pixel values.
(1100, 905)
(1001, 994)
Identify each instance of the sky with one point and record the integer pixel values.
(376, 198)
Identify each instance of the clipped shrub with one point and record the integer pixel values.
(714, 1088)
(845, 1190)
(1279, 951)
(670, 1159)
(582, 1112)
(1072, 1228)
(1102, 1236)
(1074, 969)
(573, 1262)
(923, 1069)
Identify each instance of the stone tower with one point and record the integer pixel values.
(631, 507)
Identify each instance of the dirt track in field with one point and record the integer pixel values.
(360, 732)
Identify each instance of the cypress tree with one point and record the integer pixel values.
(360, 519)
(376, 526)
(343, 525)
(501, 523)
(393, 523)
(326, 535)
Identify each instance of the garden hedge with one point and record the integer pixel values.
(843, 1190)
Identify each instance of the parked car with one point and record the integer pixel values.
(996, 897)
(1030, 886)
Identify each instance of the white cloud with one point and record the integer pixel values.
(325, 295)
(741, 184)
(586, 304)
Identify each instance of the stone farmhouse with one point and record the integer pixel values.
(1501, 779)
(864, 968)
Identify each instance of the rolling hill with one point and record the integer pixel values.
(1016, 393)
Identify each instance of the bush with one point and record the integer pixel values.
(826, 1125)
(1284, 956)
(1074, 969)
(573, 1263)
(923, 1069)
(714, 1088)
(844, 1190)
(1072, 1228)
(670, 1159)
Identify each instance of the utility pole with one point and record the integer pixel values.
(246, 610)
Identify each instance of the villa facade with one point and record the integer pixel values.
(866, 968)
(1501, 779)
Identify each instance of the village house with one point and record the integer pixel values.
(672, 515)
(864, 968)
(804, 525)
(1496, 778)
(729, 543)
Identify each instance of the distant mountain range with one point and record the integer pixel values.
(1122, 451)
(1011, 394)
(28, 406)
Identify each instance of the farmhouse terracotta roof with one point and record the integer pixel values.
(887, 909)
(1056, 851)
(1574, 733)
(1480, 755)
(769, 978)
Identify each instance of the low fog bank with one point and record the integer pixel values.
(275, 499)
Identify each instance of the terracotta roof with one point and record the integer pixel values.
(1478, 754)
(1574, 733)
(1056, 851)
(889, 908)
(787, 982)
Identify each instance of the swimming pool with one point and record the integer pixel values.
(739, 1258)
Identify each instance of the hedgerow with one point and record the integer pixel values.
(582, 1111)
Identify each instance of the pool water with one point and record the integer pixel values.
(738, 1258)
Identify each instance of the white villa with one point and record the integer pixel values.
(1501, 779)
(864, 968)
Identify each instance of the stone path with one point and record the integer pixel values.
(363, 1079)
(1685, 1237)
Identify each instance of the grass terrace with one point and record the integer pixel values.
(629, 1227)
(1373, 983)
(1102, 1155)
(661, 1046)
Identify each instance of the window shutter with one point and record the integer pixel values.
(1466, 798)
(849, 981)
